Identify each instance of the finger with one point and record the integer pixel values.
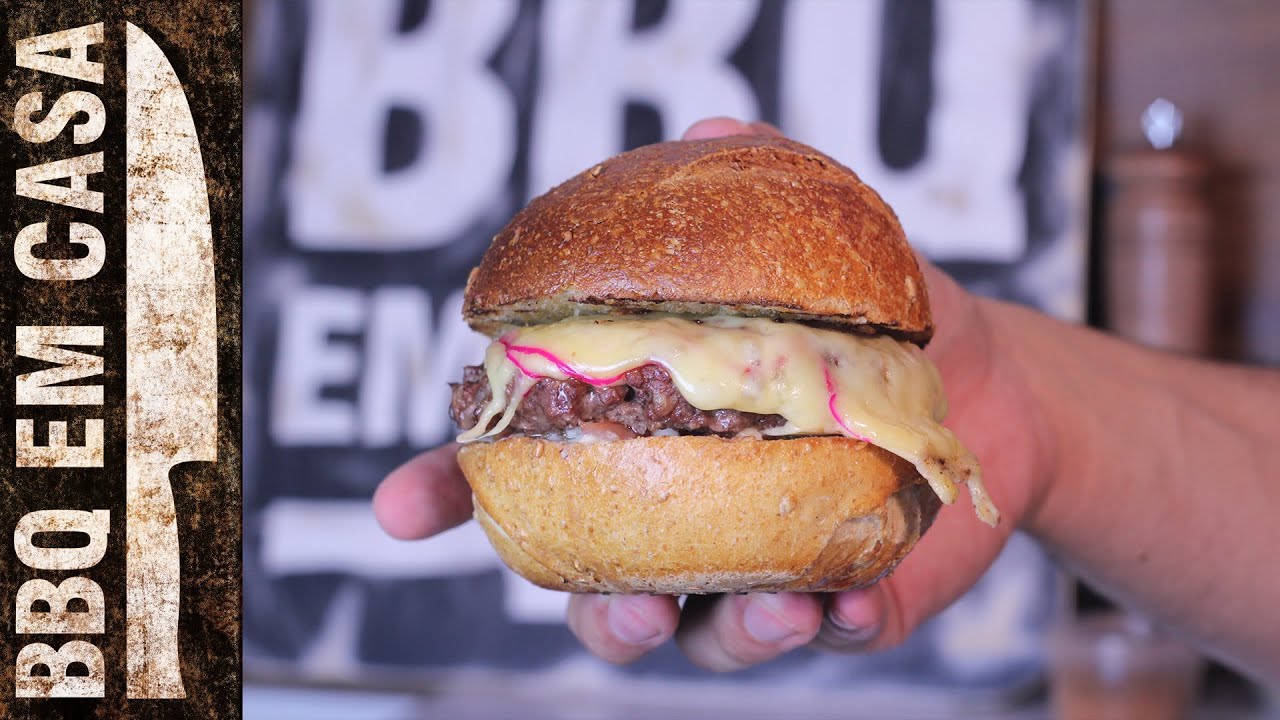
(716, 127)
(730, 632)
(763, 128)
(946, 562)
(721, 126)
(953, 308)
(961, 347)
(423, 497)
(852, 620)
(621, 628)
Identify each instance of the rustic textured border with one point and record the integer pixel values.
(202, 41)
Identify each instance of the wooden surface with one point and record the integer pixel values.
(1220, 63)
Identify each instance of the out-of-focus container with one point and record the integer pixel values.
(1118, 667)
(1159, 250)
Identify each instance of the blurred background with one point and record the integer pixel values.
(1111, 162)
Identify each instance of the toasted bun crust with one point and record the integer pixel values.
(747, 225)
(679, 515)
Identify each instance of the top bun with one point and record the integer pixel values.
(743, 225)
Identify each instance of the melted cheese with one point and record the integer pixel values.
(822, 382)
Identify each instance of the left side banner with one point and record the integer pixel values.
(120, 347)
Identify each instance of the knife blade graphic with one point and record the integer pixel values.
(171, 352)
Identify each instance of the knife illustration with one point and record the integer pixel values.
(171, 352)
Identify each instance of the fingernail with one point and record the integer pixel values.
(855, 616)
(850, 632)
(763, 620)
(628, 625)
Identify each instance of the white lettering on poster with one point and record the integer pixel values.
(358, 68)
(962, 200)
(593, 63)
(367, 368)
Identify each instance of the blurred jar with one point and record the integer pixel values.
(1115, 666)
(1159, 255)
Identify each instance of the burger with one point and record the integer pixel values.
(706, 376)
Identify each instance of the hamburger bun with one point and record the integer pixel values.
(755, 226)
(701, 514)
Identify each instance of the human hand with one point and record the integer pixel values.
(992, 414)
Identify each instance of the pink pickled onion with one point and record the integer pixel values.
(831, 405)
(560, 364)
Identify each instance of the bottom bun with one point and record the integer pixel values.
(697, 514)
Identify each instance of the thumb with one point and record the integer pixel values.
(721, 126)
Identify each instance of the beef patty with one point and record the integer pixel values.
(645, 401)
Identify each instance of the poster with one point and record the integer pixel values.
(388, 141)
